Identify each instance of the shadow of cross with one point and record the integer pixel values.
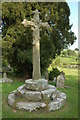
(36, 25)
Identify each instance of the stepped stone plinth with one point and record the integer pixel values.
(32, 98)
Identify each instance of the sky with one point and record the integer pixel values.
(73, 4)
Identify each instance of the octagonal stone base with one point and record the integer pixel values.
(31, 96)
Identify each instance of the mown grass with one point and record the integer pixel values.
(70, 110)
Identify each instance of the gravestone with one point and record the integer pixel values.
(36, 92)
(61, 80)
(5, 79)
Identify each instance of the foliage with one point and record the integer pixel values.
(17, 40)
(46, 44)
(69, 53)
(56, 61)
(54, 73)
(65, 60)
(64, 53)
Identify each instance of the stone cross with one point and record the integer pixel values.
(36, 26)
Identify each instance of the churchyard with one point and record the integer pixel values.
(31, 46)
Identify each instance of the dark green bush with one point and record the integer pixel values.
(54, 73)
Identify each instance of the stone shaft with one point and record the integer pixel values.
(36, 25)
(36, 55)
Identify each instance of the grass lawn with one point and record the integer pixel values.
(70, 110)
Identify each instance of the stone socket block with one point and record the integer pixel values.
(36, 85)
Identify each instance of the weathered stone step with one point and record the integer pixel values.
(11, 99)
(33, 96)
(37, 95)
(30, 106)
(61, 95)
(21, 89)
(28, 94)
(57, 104)
(47, 94)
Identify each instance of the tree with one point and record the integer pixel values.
(71, 53)
(17, 40)
(64, 53)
